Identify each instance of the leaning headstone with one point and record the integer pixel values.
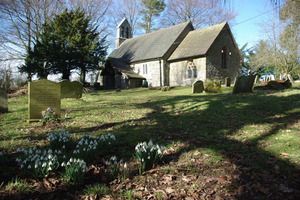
(198, 87)
(244, 84)
(227, 81)
(3, 101)
(71, 89)
(43, 94)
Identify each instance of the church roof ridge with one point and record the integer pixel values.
(149, 46)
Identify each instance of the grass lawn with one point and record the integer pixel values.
(218, 146)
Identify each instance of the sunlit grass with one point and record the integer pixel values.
(216, 125)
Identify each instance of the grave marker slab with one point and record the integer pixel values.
(244, 84)
(198, 87)
(71, 89)
(43, 94)
(3, 101)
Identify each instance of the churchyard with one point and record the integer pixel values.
(210, 146)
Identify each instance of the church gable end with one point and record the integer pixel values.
(223, 57)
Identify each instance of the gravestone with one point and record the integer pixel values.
(198, 87)
(71, 89)
(227, 81)
(43, 94)
(3, 101)
(244, 84)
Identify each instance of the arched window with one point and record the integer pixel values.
(192, 71)
(224, 57)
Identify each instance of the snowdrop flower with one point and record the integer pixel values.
(29, 166)
(63, 164)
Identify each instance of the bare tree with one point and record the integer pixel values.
(200, 12)
(281, 47)
(21, 22)
(130, 10)
(95, 9)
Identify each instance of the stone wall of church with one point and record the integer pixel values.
(152, 71)
(179, 71)
(214, 58)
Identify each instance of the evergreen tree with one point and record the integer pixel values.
(152, 9)
(67, 43)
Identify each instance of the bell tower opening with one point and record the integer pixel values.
(124, 32)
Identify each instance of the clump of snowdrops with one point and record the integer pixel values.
(117, 168)
(89, 145)
(74, 171)
(59, 139)
(40, 162)
(148, 154)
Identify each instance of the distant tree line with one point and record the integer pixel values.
(72, 35)
(279, 53)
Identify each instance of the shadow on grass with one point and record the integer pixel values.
(262, 175)
(216, 122)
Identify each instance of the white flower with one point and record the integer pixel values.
(29, 166)
(44, 164)
(63, 164)
(49, 169)
(125, 166)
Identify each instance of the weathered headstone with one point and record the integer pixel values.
(227, 81)
(43, 94)
(71, 89)
(3, 101)
(198, 87)
(244, 84)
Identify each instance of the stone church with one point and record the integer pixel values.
(173, 56)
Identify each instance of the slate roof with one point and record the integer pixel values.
(149, 46)
(197, 42)
(125, 68)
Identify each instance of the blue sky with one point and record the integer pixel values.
(248, 30)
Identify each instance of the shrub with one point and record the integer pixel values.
(212, 86)
(148, 154)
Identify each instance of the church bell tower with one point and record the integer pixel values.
(124, 32)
